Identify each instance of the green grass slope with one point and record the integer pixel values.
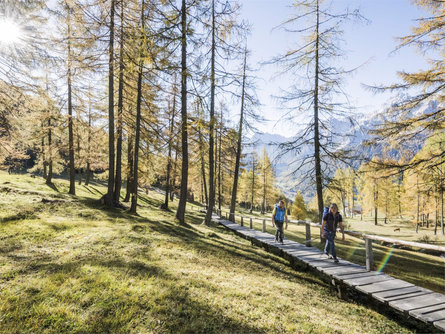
(69, 266)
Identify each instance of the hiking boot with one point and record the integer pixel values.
(336, 260)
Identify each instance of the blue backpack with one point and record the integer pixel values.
(280, 213)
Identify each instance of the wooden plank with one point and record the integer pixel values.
(440, 325)
(384, 286)
(408, 295)
(428, 309)
(315, 259)
(293, 244)
(432, 316)
(398, 294)
(346, 269)
(318, 256)
(320, 265)
(367, 280)
(413, 303)
(361, 274)
(299, 253)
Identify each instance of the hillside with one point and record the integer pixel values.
(67, 265)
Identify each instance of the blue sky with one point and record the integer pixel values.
(370, 43)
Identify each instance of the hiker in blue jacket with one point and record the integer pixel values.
(329, 228)
(279, 216)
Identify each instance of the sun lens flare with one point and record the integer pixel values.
(10, 32)
(385, 259)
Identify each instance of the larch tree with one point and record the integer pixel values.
(246, 119)
(298, 209)
(180, 213)
(425, 87)
(266, 179)
(319, 96)
(223, 29)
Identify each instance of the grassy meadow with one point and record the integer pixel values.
(68, 265)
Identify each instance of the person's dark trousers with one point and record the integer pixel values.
(329, 248)
(279, 234)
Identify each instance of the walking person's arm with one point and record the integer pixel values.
(322, 228)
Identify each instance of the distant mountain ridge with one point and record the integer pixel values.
(355, 134)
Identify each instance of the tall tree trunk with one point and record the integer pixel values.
(49, 176)
(418, 205)
(216, 154)
(45, 172)
(169, 159)
(72, 189)
(318, 173)
(253, 185)
(180, 213)
(343, 202)
(202, 189)
(175, 167)
(78, 146)
(376, 197)
(88, 172)
(239, 143)
(134, 193)
(219, 165)
(203, 173)
(399, 202)
(263, 206)
(352, 198)
(120, 105)
(441, 194)
(110, 194)
(208, 217)
(436, 212)
(130, 155)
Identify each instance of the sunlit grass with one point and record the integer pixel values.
(71, 266)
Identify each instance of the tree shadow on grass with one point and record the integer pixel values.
(150, 201)
(52, 186)
(218, 248)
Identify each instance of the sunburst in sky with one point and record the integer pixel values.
(10, 32)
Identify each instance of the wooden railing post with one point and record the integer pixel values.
(227, 216)
(308, 235)
(242, 221)
(369, 255)
(251, 223)
(264, 225)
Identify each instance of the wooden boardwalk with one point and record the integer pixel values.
(415, 302)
